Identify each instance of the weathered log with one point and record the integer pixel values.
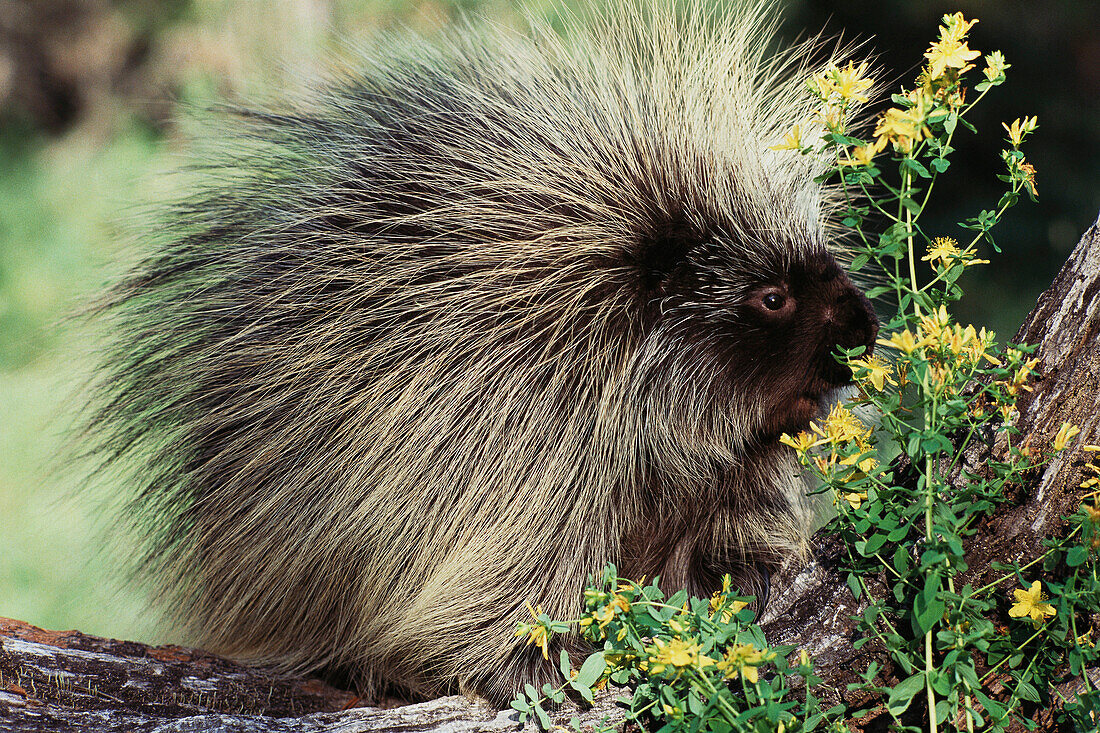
(66, 681)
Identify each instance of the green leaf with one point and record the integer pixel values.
(927, 608)
(591, 670)
(1076, 556)
(585, 692)
(994, 708)
(1027, 691)
(940, 164)
(915, 167)
(943, 711)
(874, 544)
(564, 665)
(903, 694)
(950, 122)
(853, 585)
(544, 719)
(910, 204)
(877, 291)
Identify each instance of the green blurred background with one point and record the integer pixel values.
(89, 93)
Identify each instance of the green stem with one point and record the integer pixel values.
(1022, 568)
(997, 666)
(906, 182)
(1016, 690)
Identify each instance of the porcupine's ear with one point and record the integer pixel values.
(662, 251)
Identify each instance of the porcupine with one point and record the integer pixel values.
(469, 321)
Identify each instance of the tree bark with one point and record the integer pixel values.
(67, 681)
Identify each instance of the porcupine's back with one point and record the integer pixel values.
(395, 366)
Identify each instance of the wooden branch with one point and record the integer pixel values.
(67, 681)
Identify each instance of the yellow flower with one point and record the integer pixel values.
(1031, 602)
(831, 118)
(942, 248)
(793, 140)
(941, 375)
(536, 633)
(854, 498)
(1020, 129)
(904, 341)
(935, 326)
(995, 66)
(949, 53)
(945, 249)
(742, 659)
(860, 155)
(878, 372)
(676, 653)
(850, 82)
(1027, 176)
(955, 27)
(1019, 379)
(902, 128)
(604, 616)
(841, 426)
(802, 443)
(821, 85)
(733, 608)
(1065, 433)
(838, 86)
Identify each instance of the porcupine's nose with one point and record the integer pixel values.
(853, 324)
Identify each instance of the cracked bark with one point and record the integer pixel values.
(67, 681)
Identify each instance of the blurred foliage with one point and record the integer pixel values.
(89, 95)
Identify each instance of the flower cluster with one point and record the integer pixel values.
(841, 448)
(743, 660)
(693, 663)
(950, 55)
(540, 630)
(838, 89)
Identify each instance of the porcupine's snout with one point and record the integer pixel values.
(850, 321)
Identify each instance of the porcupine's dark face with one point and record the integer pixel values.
(769, 324)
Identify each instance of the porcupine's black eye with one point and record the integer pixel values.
(773, 303)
